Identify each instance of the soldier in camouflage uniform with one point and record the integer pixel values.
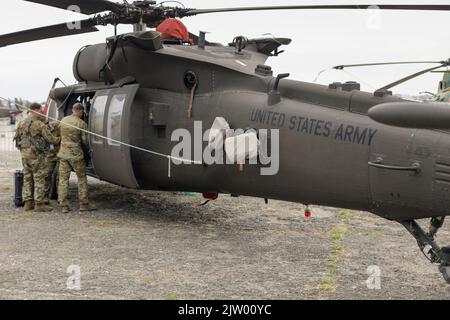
(51, 160)
(33, 138)
(71, 157)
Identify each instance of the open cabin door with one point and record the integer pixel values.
(110, 117)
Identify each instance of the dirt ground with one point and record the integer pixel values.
(155, 245)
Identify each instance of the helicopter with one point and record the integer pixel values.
(6, 112)
(444, 87)
(336, 145)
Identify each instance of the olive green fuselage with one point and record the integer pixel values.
(326, 139)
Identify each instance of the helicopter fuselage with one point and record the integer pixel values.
(330, 152)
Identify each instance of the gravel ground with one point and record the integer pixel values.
(154, 245)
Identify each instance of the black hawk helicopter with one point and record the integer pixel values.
(9, 109)
(338, 146)
(7, 112)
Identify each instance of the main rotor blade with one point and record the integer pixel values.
(436, 7)
(57, 30)
(343, 66)
(85, 6)
(415, 75)
(440, 71)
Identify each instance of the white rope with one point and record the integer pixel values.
(169, 157)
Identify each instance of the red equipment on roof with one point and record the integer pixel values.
(173, 29)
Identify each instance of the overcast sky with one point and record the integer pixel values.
(321, 39)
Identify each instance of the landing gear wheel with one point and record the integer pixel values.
(445, 270)
(429, 247)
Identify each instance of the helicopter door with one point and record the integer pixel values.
(110, 117)
(395, 172)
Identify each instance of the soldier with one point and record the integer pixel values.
(33, 138)
(71, 157)
(51, 161)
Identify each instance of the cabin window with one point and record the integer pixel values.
(115, 118)
(97, 116)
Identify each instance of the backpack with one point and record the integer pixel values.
(24, 138)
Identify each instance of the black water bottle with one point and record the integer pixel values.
(18, 186)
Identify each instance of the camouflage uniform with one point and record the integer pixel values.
(51, 160)
(71, 156)
(33, 138)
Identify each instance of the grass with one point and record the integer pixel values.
(337, 234)
(170, 296)
(327, 284)
(345, 215)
